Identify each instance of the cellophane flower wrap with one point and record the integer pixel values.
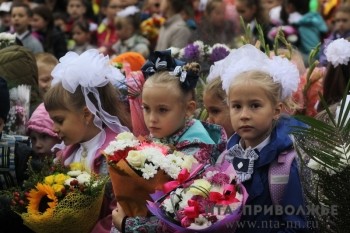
(139, 166)
(211, 202)
(58, 199)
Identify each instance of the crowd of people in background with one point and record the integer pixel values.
(116, 26)
(77, 106)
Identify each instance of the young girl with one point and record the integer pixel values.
(52, 39)
(81, 37)
(45, 62)
(251, 10)
(39, 128)
(106, 32)
(337, 73)
(214, 100)
(256, 91)
(341, 29)
(127, 27)
(310, 25)
(86, 112)
(168, 105)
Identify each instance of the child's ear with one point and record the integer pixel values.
(190, 108)
(278, 111)
(88, 116)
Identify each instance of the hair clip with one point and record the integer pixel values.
(160, 61)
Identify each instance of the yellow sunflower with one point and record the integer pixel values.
(42, 202)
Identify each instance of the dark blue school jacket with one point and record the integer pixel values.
(258, 187)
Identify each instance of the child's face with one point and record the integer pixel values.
(5, 19)
(251, 112)
(124, 29)
(80, 37)
(71, 126)
(38, 23)
(42, 143)
(20, 20)
(60, 24)
(44, 77)
(76, 9)
(163, 109)
(218, 112)
(269, 4)
(342, 22)
(247, 12)
(217, 16)
(153, 6)
(112, 9)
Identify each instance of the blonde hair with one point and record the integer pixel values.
(57, 97)
(166, 77)
(214, 87)
(46, 59)
(272, 89)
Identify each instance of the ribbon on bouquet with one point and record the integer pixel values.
(181, 180)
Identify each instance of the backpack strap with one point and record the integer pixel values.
(279, 175)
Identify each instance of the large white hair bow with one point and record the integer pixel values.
(89, 70)
(249, 58)
(338, 52)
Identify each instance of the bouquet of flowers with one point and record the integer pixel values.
(139, 166)
(207, 203)
(19, 110)
(150, 28)
(324, 148)
(57, 199)
(7, 39)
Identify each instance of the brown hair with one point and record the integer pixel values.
(261, 15)
(57, 97)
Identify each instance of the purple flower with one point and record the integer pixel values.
(192, 52)
(218, 53)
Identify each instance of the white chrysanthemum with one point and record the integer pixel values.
(174, 51)
(200, 46)
(149, 171)
(174, 159)
(338, 52)
(185, 196)
(200, 223)
(168, 205)
(117, 145)
(84, 178)
(181, 53)
(172, 170)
